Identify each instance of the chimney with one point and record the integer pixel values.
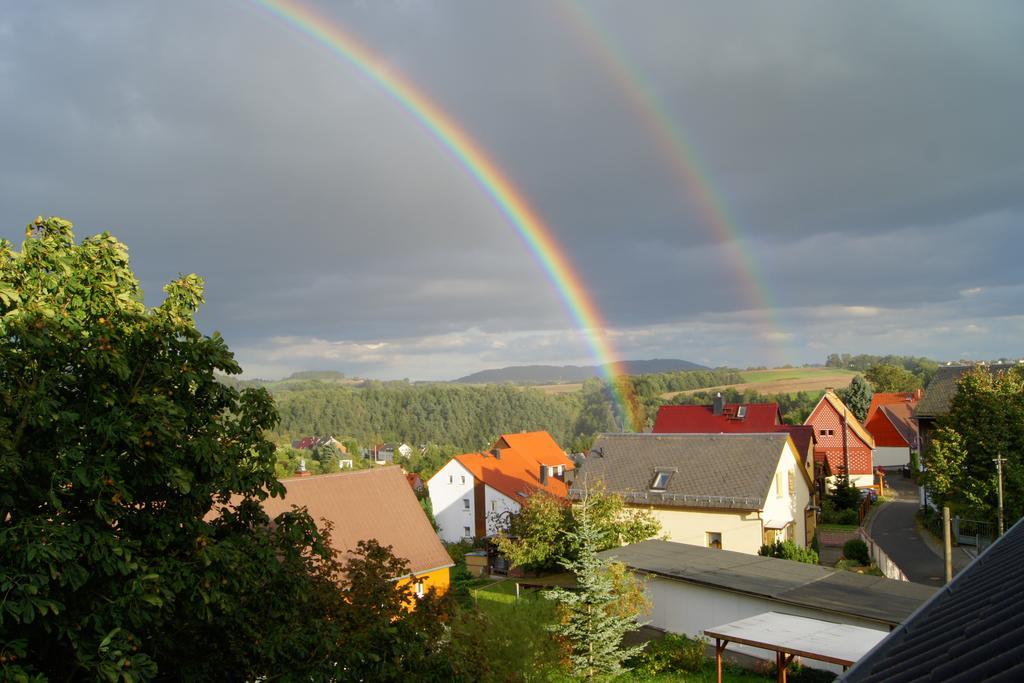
(302, 472)
(543, 474)
(719, 405)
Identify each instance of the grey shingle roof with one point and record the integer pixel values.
(940, 391)
(972, 630)
(709, 470)
(872, 598)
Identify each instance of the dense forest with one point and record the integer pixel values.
(467, 417)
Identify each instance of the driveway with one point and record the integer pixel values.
(894, 528)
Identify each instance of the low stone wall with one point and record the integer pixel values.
(878, 556)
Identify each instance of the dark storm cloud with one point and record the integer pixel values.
(869, 155)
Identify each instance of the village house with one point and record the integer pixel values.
(725, 491)
(746, 418)
(890, 423)
(370, 504)
(312, 443)
(842, 440)
(473, 494)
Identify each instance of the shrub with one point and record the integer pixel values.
(856, 550)
(788, 550)
(830, 515)
(671, 653)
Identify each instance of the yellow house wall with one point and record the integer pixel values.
(741, 531)
(439, 580)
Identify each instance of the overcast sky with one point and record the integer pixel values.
(869, 156)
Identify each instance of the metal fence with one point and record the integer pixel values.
(973, 532)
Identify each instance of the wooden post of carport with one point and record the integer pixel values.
(719, 647)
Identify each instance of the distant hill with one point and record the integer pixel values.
(553, 374)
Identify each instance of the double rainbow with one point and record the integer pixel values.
(510, 201)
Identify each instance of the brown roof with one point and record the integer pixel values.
(367, 504)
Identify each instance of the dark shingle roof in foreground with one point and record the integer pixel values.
(972, 630)
(873, 598)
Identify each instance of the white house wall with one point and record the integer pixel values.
(452, 484)
(497, 508)
(688, 609)
(891, 456)
(779, 505)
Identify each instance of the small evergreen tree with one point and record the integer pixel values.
(857, 397)
(600, 611)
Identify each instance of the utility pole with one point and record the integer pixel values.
(846, 446)
(999, 460)
(947, 543)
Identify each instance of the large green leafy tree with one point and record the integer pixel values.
(985, 420)
(132, 543)
(545, 529)
(891, 378)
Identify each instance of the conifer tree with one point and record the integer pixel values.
(600, 611)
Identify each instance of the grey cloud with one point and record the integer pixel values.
(869, 154)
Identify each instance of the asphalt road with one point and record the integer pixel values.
(894, 528)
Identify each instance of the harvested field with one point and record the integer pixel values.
(784, 381)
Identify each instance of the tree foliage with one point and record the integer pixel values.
(857, 397)
(920, 367)
(545, 529)
(891, 378)
(985, 420)
(601, 609)
(131, 536)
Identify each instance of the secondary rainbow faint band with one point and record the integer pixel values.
(685, 163)
(539, 239)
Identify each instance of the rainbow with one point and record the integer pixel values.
(687, 167)
(537, 236)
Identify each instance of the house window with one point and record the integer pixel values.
(789, 532)
(770, 535)
(661, 479)
(830, 432)
(714, 539)
(463, 478)
(451, 479)
(494, 506)
(466, 532)
(778, 484)
(792, 483)
(419, 589)
(465, 503)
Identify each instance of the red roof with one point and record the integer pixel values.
(516, 470)
(802, 435)
(758, 418)
(884, 399)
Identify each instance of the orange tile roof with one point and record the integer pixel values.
(538, 445)
(884, 399)
(375, 503)
(516, 473)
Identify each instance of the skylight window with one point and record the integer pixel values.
(660, 482)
